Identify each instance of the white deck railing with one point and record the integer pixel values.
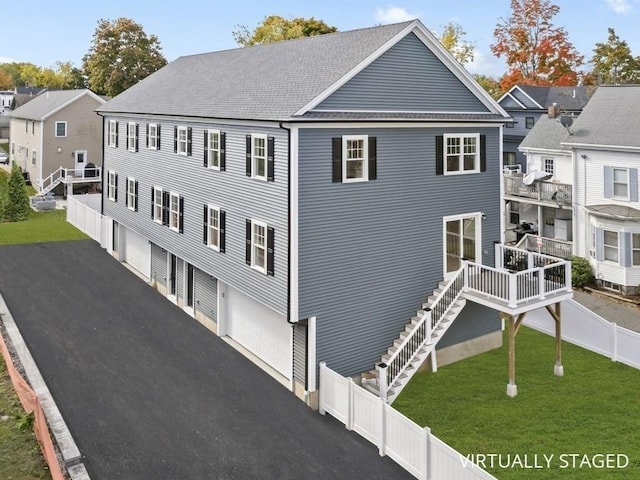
(548, 246)
(553, 192)
(70, 175)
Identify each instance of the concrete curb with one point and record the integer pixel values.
(67, 445)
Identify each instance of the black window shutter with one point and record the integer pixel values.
(248, 243)
(223, 221)
(223, 151)
(126, 197)
(189, 141)
(135, 207)
(205, 226)
(115, 196)
(165, 208)
(206, 148)
(137, 135)
(147, 136)
(127, 138)
(158, 137)
(336, 159)
(439, 155)
(270, 159)
(270, 255)
(175, 139)
(153, 201)
(483, 153)
(373, 158)
(117, 123)
(248, 156)
(181, 215)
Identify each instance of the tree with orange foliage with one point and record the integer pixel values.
(536, 52)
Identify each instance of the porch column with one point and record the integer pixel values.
(555, 312)
(512, 389)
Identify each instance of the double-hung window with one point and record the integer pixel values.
(260, 157)
(462, 154)
(549, 166)
(132, 137)
(112, 186)
(635, 249)
(34, 157)
(355, 152)
(174, 211)
(260, 247)
(156, 212)
(610, 246)
(214, 228)
(153, 136)
(61, 129)
(132, 194)
(113, 133)
(182, 140)
(213, 149)
(621, 183)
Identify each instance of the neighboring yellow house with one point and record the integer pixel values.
(56, 136)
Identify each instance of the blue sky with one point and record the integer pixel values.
(46, 31)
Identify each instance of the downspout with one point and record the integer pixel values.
(288, 130)
(102, 168)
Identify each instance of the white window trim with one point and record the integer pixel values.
(210, 150)
(261, 268)
(605, 246)
(34, 157)
(214, 208)
(634, 249)
(176, 227)
(365, 158)
(157, 204)
(477, 216)
(613, 184)
(461, 170)
(111, 186)
(254, 137)
(153, 137)
(179, 142)
(131, 136)
(549, 166)
(55, 128)
(112, 133)
(131, 195)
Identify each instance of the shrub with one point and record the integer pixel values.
(16, 203)
(581, 272)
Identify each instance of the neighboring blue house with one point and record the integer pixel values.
(302, 199)
(526, 104)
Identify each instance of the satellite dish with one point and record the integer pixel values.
(566, 121)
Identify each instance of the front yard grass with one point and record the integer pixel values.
(49, 226)
(20, 457)
(593, 409)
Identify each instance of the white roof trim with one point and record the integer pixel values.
(594, 146)
(72, 100)
(436, 48)
(524, 107)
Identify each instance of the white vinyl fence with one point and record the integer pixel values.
(587, 329)
(415, 448)
(83, 213)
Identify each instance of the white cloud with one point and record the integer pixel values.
(393, 14)
(486, 65)
(6, 59)
(620, 6)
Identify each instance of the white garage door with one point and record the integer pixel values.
(137, 251)
(259, 329)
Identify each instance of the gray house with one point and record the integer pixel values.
(526, 104)
(302, 199)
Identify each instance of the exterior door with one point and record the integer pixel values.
(173, 274)
(81, 161)
(462, 240)
(189, 287)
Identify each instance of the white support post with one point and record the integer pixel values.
(513, 293)
(427, 322)
(541, 285)
(434, 361)
(530, 264)
(465, 275)
(426, 460)
(382, 441)
(349, 420)
(382, 380)
(567, 276)
(499, 258)
(311, 354)
(321, 399)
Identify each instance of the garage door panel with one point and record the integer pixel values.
(260, 330)
(137, 251)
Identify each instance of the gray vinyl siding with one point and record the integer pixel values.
(370, 253)
(239, 196)
(159, 264)
(180, 279)
(206, 295)
(408, 77)
(300, 353)
(475, 321)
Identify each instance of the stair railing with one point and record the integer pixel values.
(421, 333)
(52, 180)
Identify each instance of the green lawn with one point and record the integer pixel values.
(20, 457)
(49, 226)
(594, 409)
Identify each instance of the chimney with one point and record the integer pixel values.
(554, 110)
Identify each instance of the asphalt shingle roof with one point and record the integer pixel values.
(41, 106)
(610, 118)
(547, 134)
(567, 98)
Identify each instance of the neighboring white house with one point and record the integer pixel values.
(589, 206)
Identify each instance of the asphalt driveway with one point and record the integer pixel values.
(148, 393)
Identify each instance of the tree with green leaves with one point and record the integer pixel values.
(275, 29)
(121, 54)
(15, 206)
(490, 84)
(613, 62)
(536, 51)
(452, 38)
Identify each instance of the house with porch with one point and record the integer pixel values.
(304, 199)
(57, 138)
